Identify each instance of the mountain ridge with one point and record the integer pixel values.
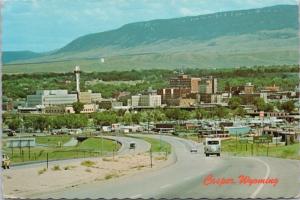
(269, 30)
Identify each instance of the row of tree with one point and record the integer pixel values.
(288, 106)
(20, 85)
(48, 122)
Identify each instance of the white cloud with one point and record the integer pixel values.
(186, 11)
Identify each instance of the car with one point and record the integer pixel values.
(194, 150)
(5, 161)
(212, 146)
(132, 145)
(10, 132)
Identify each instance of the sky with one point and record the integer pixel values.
(45, 25)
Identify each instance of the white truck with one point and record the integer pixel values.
(212, 146)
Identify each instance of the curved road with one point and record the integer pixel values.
(141, 146)
(184, 179)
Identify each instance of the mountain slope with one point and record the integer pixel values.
(9, 56)
(199, 28)
(264, 36)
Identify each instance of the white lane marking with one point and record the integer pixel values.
(187, 178)
(135, 196)
(255, 193)
(165, 186)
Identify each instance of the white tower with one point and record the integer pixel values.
(77, 74)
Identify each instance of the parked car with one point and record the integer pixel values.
(212, 146)
(5, 161)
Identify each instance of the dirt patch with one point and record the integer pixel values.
(38, 180)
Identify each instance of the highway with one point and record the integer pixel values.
(141, 146)
(184, 178)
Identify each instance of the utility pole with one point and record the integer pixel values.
(160, 139)
(47, 161)
(102, 145)
(151, 157)
(236, 142)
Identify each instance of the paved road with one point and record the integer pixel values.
(184, 179)
(71, 143)
(141, 146)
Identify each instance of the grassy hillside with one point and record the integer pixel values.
(162, 61)
(10, 56)
(266, 36)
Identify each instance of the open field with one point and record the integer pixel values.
(236, 148)
(88, 148)
(52, 140)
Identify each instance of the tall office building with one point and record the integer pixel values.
(208, 85)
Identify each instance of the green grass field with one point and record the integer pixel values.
(52, 140)
(236, 148)
(88, 148)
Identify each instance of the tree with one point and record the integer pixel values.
(78, 107)
(239, 112)
(105, 118)
(269, 107)
(288, 106)
(127, 118)
(158, 115)
(260, 104)
(220, 112)
(234, 102)
(14, 124)
(41, 123)
(198, 114)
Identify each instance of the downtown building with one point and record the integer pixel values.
(60, 102)
(186, 91)
(50, 97)
(146, 100)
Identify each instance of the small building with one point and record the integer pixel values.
(62, 109)
(33, 110)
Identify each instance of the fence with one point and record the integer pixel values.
(24, 155)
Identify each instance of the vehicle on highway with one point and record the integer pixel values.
(212, 146)
(132, 145)
(9, 132)
(194, 150)
(5, 161)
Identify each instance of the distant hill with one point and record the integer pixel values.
(263, 36)
(9, 56)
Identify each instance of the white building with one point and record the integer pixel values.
(51, 97)
(135, 100)
(149, 100)
(96, 97)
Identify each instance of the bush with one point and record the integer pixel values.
(42, 171)
(112, 175)
(56, 168)
(88, 163)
